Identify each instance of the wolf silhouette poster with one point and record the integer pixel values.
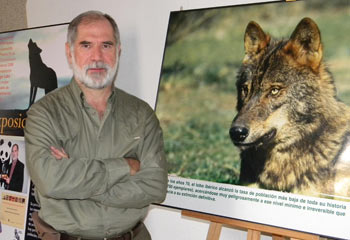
(254, 104)
(32, 63)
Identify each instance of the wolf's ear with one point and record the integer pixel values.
(305, 44)
(254, 40)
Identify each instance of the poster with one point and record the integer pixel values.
(32, 64)
(197, 106)
(14, 195)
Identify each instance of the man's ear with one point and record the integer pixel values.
(69, 54)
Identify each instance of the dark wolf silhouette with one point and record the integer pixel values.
(292, 131)
(41, 76)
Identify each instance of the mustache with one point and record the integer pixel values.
(97, 64)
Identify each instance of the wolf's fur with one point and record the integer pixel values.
(290, 127)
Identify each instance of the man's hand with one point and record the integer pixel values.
(6, 178)
(58, 153)
(134, 165)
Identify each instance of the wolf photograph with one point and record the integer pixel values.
(259, 96)
(292, 130)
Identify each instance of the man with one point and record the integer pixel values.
(94, 152)
(14, 181)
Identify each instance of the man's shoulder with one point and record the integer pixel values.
(130, 101)
(136, 110)
(19, 164)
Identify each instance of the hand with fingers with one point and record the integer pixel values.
(58, 153)
(134, 165)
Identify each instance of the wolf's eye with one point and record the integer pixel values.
(275, 91)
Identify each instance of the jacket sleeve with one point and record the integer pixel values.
(65, 178)
(149, 185)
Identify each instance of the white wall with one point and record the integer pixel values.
(143, 27)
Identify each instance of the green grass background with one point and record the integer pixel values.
(197, 95)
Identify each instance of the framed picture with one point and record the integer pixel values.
(14, 186)
(254, 104)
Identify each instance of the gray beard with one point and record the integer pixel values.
(95, 81)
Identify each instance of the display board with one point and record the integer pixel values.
(254, 128)
(32, 63)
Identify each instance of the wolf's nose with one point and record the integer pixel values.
(238, 134)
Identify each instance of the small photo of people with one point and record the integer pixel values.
(14, 176)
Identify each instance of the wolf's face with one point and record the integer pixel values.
(279, 87)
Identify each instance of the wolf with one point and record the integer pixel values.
(292, 131)
(41, 76)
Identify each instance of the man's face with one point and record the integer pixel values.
(94, 59)
(14, 153)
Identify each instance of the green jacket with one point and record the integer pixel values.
(91, 193)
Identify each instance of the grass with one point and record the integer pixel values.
(196, 133)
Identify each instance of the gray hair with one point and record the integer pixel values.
(87, 17)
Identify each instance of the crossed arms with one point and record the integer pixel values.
(134, 164)
(120, 181)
